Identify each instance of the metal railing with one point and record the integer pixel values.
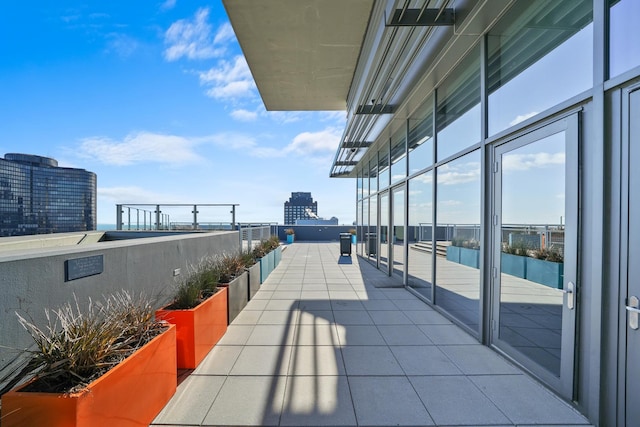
(152, 217)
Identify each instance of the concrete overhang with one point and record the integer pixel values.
(302, 53)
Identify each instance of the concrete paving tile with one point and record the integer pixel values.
(256, 304)
(447, 334)
(478, 360)
(247, 317)
(314, 295)
(282, 317)
(317, 401)
(263, 294)
(236, 335)
(359, 335)
(271, 335)
(316, 334)
(427, 317)
(248, 401)
(345, 317)
(262, 360)
(411, 304)
(312, 305)
(312, 317)
(403, 335)
(337, 305)
(389, 318)
(281, 304)
(370, 360)
(316, 360)
(387, 401)
(521, 399)
(424, 360)
(455, 400)
(219, 361)
(192, 401)
(398, 294)
(379, 304)
(289, 295)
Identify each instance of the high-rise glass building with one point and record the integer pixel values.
(38, 197)
(300, 206)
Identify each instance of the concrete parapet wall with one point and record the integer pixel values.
(32, 280)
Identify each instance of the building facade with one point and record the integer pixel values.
(38, 197)
(494, 148)
(300, 206)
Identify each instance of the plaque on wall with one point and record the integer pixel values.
(83, 267)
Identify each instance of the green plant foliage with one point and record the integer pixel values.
(230, 267)
(77, 346)
(289, 231)
(518, 247)
(200, 283)
(551, 254)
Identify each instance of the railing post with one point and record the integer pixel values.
(157, 212)
(128, 218)
(195, 217)
(233, 217)
(118, 217)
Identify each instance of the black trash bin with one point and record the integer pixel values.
(345, 244)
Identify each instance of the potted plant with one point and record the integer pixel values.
(513, 259)
(199, 311)
(111, 364)
(268, 254)
(546, 266)
(234, 277)
(291, 235)
(252, 266)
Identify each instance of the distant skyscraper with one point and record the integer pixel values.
(38, 197)
(300, 206)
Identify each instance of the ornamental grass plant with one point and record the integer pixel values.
(78, 345)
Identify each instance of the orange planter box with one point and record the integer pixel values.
(129, 395)
(198, 328)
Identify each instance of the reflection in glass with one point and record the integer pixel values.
(420, 142)
(372, 237)
(458, 233)
(531, 264)
(624, 36)
(546, 45)
(398, 237)
(398, 156)
(458, 111)
(383, 231)
(362, 234)
(383, 170)
(373, 176)
(419, 233)
(359, 228)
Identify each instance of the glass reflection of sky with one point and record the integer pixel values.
(624, 41)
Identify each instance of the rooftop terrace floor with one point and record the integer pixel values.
(330, 340)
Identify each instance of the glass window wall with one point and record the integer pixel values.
(624, 36)
(383, 169)
(420, 139)
(539, 54)
(398, 156)
(419, 234)
(458, 111)
(458, 233)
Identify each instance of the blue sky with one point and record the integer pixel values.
(156, 98)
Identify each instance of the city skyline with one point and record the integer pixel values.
(158, 101)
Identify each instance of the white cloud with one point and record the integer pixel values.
(244, 115)
(459, 174)
(523, 162)
(168, 5)
(121, 44)
(522, 118)
(311, 142)
(229, 79)
(191, 39)
(141, 147)
(286, 117)
(224, 34)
